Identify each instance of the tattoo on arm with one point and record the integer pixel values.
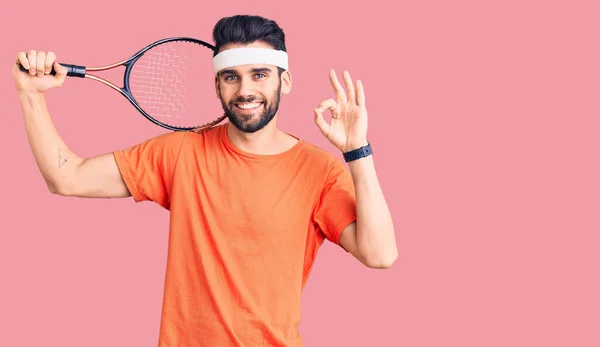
(62, 157)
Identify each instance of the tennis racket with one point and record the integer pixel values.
(167, 82)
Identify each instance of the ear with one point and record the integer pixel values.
(217, 87)
(286, 82)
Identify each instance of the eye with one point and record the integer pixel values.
(260, 75)
(230, 78)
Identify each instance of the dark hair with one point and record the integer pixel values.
(246, 29)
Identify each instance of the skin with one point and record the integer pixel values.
(261, 82)
(371, 239)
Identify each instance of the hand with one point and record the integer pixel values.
(348, 128)
(38, 79)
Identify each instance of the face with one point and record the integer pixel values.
(250, 94)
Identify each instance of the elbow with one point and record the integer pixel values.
(58, 189)
(53, 188)
(64, 183)
(379, 253)
(382, 263)
(381, 260)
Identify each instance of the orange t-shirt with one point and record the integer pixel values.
(244, 232)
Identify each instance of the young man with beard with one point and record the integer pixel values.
(249, 204)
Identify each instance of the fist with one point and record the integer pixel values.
(38, 78)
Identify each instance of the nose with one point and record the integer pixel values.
(246, 87)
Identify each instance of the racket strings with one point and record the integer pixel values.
(158, 79)
(164, 82)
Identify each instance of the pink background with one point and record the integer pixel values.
(484, 121)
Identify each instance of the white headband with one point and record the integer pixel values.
(249, 55)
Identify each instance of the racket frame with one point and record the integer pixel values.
(82, 72)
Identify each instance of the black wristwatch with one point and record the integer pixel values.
(358, 153)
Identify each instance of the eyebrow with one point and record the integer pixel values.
(227, 72)
(262, 69)
(255, 70)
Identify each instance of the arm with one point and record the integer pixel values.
(371, 239)
(65, 173)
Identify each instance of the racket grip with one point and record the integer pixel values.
(72, 70)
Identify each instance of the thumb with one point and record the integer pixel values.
(61, 73)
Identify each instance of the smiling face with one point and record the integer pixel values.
(250, 94)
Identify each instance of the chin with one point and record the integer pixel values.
(250, 126)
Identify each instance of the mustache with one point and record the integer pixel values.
(240, 99)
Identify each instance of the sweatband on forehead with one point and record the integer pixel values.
(249, 55)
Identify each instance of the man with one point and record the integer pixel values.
(249, 204)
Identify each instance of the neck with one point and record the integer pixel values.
(267, 141)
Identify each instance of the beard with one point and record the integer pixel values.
(245, 122)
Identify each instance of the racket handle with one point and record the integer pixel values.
(72, 70)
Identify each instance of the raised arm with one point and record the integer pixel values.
(371, 239)
(65, 173)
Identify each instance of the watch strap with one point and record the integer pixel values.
(358, 153)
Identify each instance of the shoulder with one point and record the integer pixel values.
(321, 158)
(180, 139)
(208, 134)
(167, 139)
(161, 143)
(318, 153)
(200, 143)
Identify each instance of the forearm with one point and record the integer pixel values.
(55, 161)
(375, 236)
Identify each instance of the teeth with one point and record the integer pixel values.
(248, 106)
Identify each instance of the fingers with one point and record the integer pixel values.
(337, 87)
(40, 64)
(349, 87)
(50, 59)
(360, 94)
(32, 60)
(328, 104)
(22, 60)
(352, 95)
(37, 62)
(320, 121)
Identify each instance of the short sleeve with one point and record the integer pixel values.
(147, 168)
(336, 208)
